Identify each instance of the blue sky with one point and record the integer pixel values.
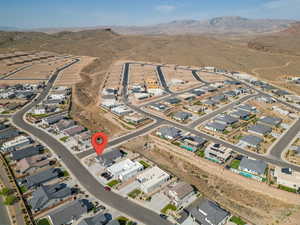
(76, 13)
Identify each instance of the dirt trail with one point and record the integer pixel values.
(254, 70)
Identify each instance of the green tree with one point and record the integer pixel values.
(5, 191)
(10, 199)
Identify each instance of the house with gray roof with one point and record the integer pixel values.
(260, 129)
(247, 107)
(229, 94)
(48, 195)
(158, 106)
(99, 219)
(269, 120)
(180, 193)
(219, 98)
(2, 126)
(40, 178)
(172, 101)
(251, 141)
(240, 114)
(113, 222)
(209, 213)
(226, 119)
(69, 213)
(215, 126)
(209, 103)
(169, 133)
(9, 133)
(181, 116)
(252, 166)
(54, 118)
(108, 158)
(26, 152)
(192, 143)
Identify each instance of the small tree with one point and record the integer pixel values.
(5, 191)
(10, 199)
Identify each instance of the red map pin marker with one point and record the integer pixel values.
(99, 141)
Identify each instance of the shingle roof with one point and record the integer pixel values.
(99, 219)
(253, 165)
(26, 152)
(260, 128)
(273, 121)
(216, 126)
(209, 211)
(169, 131)
(9, 133)
(68, 212)
(251, 139)
(43, 194)
(109, 157)
(41, 177)
(224, 118)
(182, 115)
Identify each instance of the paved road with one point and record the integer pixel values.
(280, 146)
(196, 76)
(218, 111)
(80, 172)
(162, 79)
(14, 72)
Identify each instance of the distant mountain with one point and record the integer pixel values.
(218, 25)
(4, 28)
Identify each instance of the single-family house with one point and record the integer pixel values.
(9, 133)
(40, 178)
(46, 196)
(158, 106)
(125, 169)
(32, 163)
(169, 133)
(192, 143)
(181, 116)
(109, 158)
(99, 219)
(287, 177)
(271, 121)
(226, 119)
(215, 126)
(72, 131)
(240, 114)
(152, 178)
(16, 143)
(69, 213)
(209, 213)
(251, 141)
(217, 153)
(172, 101)
(26, 152)
(63, 124)
(253, 166)
(180, 193)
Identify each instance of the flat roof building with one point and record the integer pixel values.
(125, 169)
(287, 177)
(217, 153)
(152, 179)
(16, 143)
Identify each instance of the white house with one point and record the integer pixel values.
(39, 110)
(181, 193)
(17, 142)
(152, 178)
(287, 177)
(125, 169)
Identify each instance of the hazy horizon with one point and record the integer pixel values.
(33, 14)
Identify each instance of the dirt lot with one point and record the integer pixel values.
(256, 202)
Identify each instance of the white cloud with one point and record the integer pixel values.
(165, 8)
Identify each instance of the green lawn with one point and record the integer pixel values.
(23, 189)
(237, 220)
(235, 164)
(122, 220)
(66, 173)
(287, 189)
(43, 221)
(134, 193)
(10, 199)
(112, 183)
(200, 153)
(64, 139)
(146, 165)
(168, 207)
(5, 191)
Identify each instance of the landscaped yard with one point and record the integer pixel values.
(134, 193)
(168, 207)
(146, 165)
(237, 220)
(113, 183)
(64, 139)
(23, 189)
(122, 220)
(235, 164)
(287, 189)
(200, 153)
(43, 221)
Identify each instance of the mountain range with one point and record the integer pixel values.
(218, 25)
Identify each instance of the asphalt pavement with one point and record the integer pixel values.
(112, 199)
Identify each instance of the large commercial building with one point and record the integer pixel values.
(125, 169)
(152, 179)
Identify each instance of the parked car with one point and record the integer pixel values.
(163, 216)
(106, 188)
